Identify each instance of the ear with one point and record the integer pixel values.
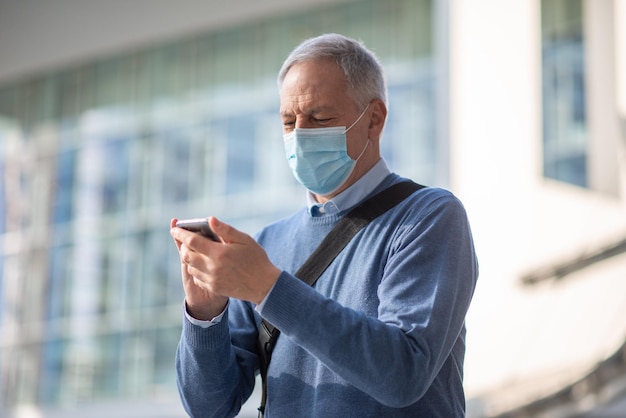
(377, 119)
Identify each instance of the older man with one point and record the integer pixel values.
(381, 332)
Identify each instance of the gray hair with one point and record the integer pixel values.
(360, 66)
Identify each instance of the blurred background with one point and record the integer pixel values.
(117, 116)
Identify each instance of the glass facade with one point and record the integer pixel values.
(564, 115)
(96, 159)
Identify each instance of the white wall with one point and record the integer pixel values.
(495, 131)
(619, 25)
(520, 220)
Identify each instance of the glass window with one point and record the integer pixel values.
(68, 105)
(564, 101)
(2, 196)
(116, 170)
(52, 368)
(408, 143)
(2, 276)
(176, 147)
(62, 196)
(237, 136)
(59, 287)
(165, 341)
(153, 288)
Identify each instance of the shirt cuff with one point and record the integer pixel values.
(201, 323)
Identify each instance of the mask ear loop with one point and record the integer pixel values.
(368, 140)
(357, 119)
(362, 152)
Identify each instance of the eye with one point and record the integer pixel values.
(322, 121)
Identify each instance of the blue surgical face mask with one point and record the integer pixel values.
(318, 157)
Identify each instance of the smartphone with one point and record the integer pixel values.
(199, 226)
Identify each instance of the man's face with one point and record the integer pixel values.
(315, 94)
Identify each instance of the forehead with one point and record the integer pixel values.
(319, 83)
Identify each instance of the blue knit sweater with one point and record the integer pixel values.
(381, 334)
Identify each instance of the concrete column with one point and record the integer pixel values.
(602, 118)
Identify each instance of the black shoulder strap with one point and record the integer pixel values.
(326, 252)
(353, 222)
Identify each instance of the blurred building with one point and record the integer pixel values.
(117, 116)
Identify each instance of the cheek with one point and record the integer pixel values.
(357, 143)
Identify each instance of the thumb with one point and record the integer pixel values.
(226, 232)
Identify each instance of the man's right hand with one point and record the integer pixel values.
(201, 302)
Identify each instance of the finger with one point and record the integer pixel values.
(184, 269)
(188, 256)
(194, 241)
(173, 222)
(200, 279)
(226, 232)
